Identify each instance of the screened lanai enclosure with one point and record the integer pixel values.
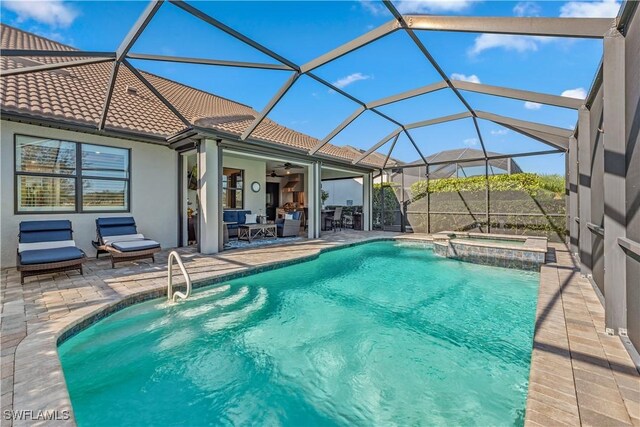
(595, 208)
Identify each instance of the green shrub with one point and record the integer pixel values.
(531, 183)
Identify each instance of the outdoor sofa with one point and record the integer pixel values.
(47, 247)
(119, 237)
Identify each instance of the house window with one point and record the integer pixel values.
(63, 176)
(232, 188)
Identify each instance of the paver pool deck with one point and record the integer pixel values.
(579, 375)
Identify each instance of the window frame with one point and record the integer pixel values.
(241, 190)
(78, 178)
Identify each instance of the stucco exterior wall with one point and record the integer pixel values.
(154, 191)
(254, 170)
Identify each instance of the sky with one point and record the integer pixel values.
(303, 30)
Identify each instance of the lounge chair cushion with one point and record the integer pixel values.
(46, 256)
(109, 240)
(135, 245)
(45, 245)
(45, 231)
(116, 226)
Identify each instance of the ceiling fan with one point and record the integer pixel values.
(286, 166)
(273, 174)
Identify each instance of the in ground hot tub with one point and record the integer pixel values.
(500, 250)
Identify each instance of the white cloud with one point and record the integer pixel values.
(527, 8)
(419, 6)
(499, 132)
(578, 92)
(470, 142)
(55, 13)
(471, 78)
(433, 6)
(532, 105)
(351, 78)
(597, 9)
(508, 42)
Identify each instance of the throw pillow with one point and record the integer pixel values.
(250, 219)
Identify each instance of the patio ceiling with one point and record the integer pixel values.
(556, 138)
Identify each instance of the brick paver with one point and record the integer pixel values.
(579, 374)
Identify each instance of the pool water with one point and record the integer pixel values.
(376, 334)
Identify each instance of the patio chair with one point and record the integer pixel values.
(289, 227)
(47, 247)
(119, 237)
(336, 219)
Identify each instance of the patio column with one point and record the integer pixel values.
(367, 201)
(584, 189)
(615, 263)
(573, 194)
(210, 195)
(314, 199)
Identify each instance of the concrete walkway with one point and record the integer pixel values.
(579, 375)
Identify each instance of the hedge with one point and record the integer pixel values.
(529, 182)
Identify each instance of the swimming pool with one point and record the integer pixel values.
(380, 333)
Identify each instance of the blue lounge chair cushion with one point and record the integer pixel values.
(135, 245)
(45, 231)
(116, 226)
(45, 256)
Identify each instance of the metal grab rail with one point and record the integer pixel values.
(171, 296)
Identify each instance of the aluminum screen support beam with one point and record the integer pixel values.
(615, 222)
(137, 29)
(157, 94)
(58, 53)
(407, 28)
(554, 141)
(357, 43)
(337, 130)
(121, 53)
(406, 132)
(393, 145)
(523, 95)
(109, 93)
(438, 120)
(550, 135)
(376, 146)
(408, 94)
(54, 66)
(219, 25)
(574, 227)
(584, 189)
(272, 103)
(594, 28)
(204, 61)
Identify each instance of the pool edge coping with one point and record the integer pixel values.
(38, 374)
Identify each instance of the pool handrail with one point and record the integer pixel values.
(171, 296)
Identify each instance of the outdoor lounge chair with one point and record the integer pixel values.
(119, 237)
(47, 247)
(290, 227)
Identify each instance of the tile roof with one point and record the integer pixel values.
(77, 94)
